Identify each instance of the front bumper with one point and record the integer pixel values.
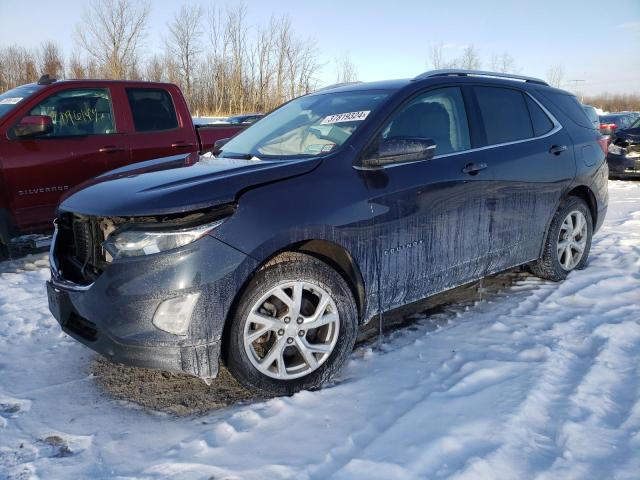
(623, 166)
(113, 316)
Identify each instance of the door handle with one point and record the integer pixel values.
(557, 149)
(474, 168)
(181, 145)
(111, 149)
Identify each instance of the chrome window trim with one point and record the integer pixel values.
(56, 279)
(557, 126)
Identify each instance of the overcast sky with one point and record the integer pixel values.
(595, 41)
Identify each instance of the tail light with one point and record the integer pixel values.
(608, 126)
(603, 141)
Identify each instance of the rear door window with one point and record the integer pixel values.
(504, 113)
(78, 112)
(152, 109)
(541, 122)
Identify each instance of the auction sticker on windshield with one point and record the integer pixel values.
(346, 117)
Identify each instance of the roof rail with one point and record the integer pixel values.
(336, 85)
(477, 73)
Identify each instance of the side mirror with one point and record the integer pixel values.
(33, 126)
(218, 144)
(401, 150)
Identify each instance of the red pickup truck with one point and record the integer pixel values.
(57, 134)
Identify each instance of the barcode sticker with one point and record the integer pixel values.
(346, 117)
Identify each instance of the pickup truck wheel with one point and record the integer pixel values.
(568, 241)
(294, 328)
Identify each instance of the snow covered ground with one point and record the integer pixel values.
(539, 381)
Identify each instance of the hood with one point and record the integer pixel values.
(207, 183)
(628, 135)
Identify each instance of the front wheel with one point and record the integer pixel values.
(568, 241)
(294, 327)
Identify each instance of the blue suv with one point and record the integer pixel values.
(335, 207)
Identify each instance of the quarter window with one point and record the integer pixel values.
(540, 121)
(152, 109)
(437, 115)
(504, 114)
(78, 112)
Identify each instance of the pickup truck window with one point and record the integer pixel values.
(152, 109)
(10, 99)
(78, 112)
(307, 126)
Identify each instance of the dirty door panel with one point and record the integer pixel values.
(431, 218)
(432, 227)
(532, 164)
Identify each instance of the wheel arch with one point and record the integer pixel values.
(585, 193)
(580, 191)
(331, 253)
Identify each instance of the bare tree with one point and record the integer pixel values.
(111, 33)
(17, 66)
(50, 60)
(503, 63)
(614, 102)
(469, 60)
(346, 71)
(183, 44)
(555, 75)
(436, 57)
(155, 69)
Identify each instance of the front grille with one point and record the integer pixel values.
(82, 239)
(78, 250)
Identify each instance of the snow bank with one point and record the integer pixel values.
(539, 381)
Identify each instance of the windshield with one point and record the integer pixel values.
(10, 98)
(307, 126)
(636, 124)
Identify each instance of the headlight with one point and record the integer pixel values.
(615, 149)
(133, 243)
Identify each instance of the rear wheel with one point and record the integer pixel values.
(294, 327)
(568, 241)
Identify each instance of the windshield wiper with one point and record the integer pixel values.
(244, 156)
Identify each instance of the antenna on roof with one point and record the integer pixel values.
(46, 79)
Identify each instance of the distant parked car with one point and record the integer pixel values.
(247, 119)
(593, 115)
(624, 152)
(610, 123)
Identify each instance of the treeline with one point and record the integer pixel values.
(223, 64)
(610, 102)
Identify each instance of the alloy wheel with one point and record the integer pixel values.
(572, 240)
(291, 330)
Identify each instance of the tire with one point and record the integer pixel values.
(553, 265)
(4, 252)
(325, 297)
